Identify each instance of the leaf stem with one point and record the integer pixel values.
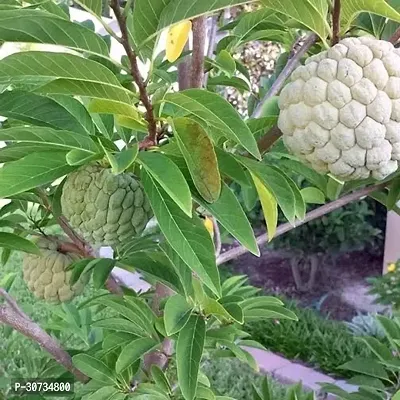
(336, 22)
(310, 216)
(151, 139)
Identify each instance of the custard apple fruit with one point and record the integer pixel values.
(341, 111)
(105, 209)
(46, 274)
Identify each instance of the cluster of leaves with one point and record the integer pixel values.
(68, 108)
(323, 343)
(377, 375)
(386, 288)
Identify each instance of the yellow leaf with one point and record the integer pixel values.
(177, 37)
(269, 206)
(209, 225)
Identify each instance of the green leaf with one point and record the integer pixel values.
(104, 393)
(310, 13)
(187, 236)
(381, 350)
(160, 378)
(35, 26)
(32, 171)
(318, 180)
(94, 6)
(142, 25)
(234, 81)
(226, 62)
(15, 242)
(111, 107)
(79, 157)
(333, 188)
(39, 110)
(119, 325)
(268, 312)
(276, 183)
(124, 159)
(158, 266)
(270, 108)
(351, 9)
(145, 25)
(229, 213)
(199, 154)
(170, 178)
(396, 396)
(269, 206)
(101, 271)
(214, 113)
(241, 354)
(60, 140)
(313, 195)
(189, 350)
(394, 194)
(260, 302)
(94, 368)
(368, 367)
(62, 73)
(176, 314)
(231, 168)
(131, 123)
(213, 307)
(7, 280)
(133, 351)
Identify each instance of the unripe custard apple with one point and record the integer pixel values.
(46, 275)
(341, 111)
(105, 209)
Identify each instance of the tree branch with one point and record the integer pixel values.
(217, 237)
(395, 37)
(199, 44)
(314, 214)
(184, 71)
(336, 22)
(286, 72)
(151, 139)
(13, 316)
(212, 37)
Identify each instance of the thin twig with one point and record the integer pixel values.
(286, 72)
(395, 37)
(336, 22)
(266, 142)
(151, 139)
(314, 214)
(199, 44)
(22, 324)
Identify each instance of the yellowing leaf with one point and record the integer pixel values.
(269, 206)
(209, 225)
(199, 154)
(177, 37)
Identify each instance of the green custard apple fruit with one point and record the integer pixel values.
(341, 111)
(46, 275)
(105, 209)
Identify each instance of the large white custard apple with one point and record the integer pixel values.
(105, 209)
(47, 276)
(341, 111)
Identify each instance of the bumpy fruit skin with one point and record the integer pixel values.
(105, 209)
(341, 111)
(46, 275)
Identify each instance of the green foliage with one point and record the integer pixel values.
(313, 339)
(387, 287)
(377, 375)
(93, 147)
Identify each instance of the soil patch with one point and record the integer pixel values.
(272, 273)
